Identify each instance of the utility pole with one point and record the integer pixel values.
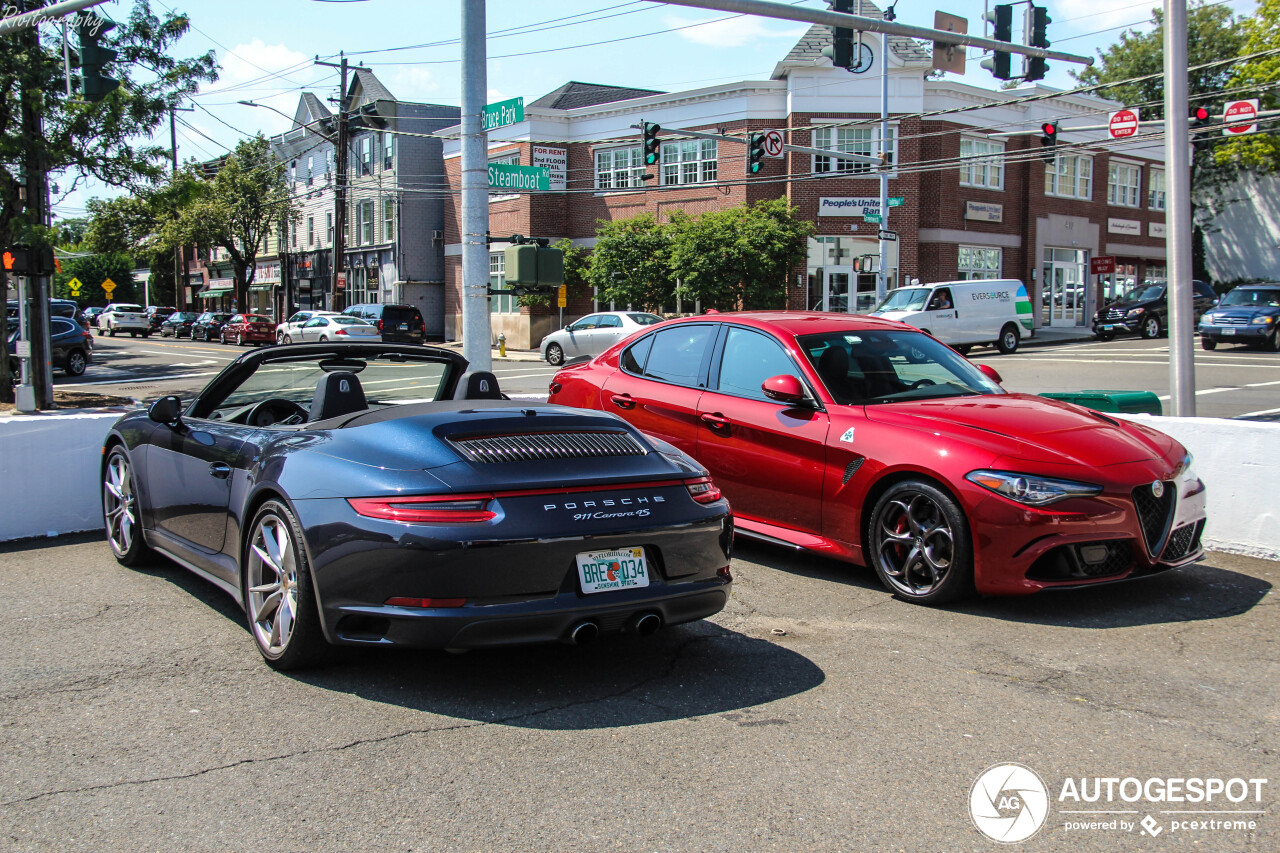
(1177, 148)
(882, 281)
(179, 267)
(36, 328)
(476, 330)
(342, 144)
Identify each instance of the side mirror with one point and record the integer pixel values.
(784, 388)
(991, 373)
(166, 410)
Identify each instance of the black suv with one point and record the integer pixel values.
(1249, 314)
(398, 324)
(1145, 310)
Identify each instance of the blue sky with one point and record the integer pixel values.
(265, 49)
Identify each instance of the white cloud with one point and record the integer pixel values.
(495, 95)
(256, 60)
(412, 83)
(734, 32)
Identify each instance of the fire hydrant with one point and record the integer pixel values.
(502, 345)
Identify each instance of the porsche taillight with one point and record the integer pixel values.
(402, 601)
(427, 509)
(703, 491)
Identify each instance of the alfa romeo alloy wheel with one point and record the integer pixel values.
(920, 543)
(278, 599)
(120, 510)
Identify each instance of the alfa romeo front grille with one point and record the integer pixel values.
(1154, 514)
(1183, 541)
(524, 447)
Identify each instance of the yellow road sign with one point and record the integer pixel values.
(75, 286)
(108, 286)
(562, 299)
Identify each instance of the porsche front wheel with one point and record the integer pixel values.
(120, 511)
(920, 545)
(279, 600)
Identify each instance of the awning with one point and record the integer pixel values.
(270, 286)
(215, 289)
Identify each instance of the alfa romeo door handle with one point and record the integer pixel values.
(221, 470)
(715, 421)
(623, 401)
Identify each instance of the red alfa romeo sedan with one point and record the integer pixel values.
(249, 329)
(872, 442)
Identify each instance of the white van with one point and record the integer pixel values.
(964, 313)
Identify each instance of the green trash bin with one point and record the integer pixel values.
(1120, 402)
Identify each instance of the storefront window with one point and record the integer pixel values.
(979, 262)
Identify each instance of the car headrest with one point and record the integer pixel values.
(834, 362)
(338, 393)
(478, 385)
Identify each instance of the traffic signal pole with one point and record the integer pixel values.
(38, 375)
(476, 331)
(1177, 155)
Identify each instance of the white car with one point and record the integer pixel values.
(124, 317)
(342, 327)
(593, 334)
(289, 331)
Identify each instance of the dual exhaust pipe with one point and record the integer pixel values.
(642, 624)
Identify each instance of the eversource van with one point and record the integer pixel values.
(964, 313)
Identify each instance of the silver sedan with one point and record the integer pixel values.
(593, 334)
(343, 327)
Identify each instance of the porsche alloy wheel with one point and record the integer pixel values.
(920, 544)
(278, 597)
(120, 511)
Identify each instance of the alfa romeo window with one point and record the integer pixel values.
(677, 353)
(634, 356)
(749, 359)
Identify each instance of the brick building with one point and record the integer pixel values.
(978, 199)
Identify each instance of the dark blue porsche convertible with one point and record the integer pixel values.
(381, 494)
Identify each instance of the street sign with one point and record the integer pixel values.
(108, 286)
(505, 176)
(562, 296)
(342, 280)
(949, 57)
(22, 349)
(74, 285)
(773, 143)
(1241, 117)
(1102, 265)
(890, 236)
(503, 113)
(873, 218)
(897, 201)
(1123, 123)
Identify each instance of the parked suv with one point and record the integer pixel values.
(1145, 310)
(157, 314)
(70, 344)
(400, 324)
(124, 317)
(57, 308)
(1249, 314)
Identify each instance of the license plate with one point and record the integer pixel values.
(1228, 331)
(1108, 328)
(604, 571)
(404, 327)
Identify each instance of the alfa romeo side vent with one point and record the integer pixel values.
(524, 447)
(851, 469)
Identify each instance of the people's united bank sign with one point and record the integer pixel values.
(848, 206)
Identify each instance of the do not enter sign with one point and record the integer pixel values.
(1241, 117)
(1123, 123)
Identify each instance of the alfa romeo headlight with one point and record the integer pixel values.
(1031, 489)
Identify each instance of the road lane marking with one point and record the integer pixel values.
(139, 380)
(1258, 414)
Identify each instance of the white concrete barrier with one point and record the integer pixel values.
(49, 473)
(49, 468)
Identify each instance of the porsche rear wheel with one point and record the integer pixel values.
(120, 511)
(920, 545)
(279, 600)
(555, 355)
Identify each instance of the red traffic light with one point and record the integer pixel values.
(1202, 113)
(1049, 128)
(9, 260)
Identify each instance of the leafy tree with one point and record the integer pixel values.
(244, 203)
(99, 140)
(1259, 151)
(631, 262)
(739, 257)
(92, 271)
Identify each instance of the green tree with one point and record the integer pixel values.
(1259, 151)
(630, 263)
(91, 271)
(739, 257)
(244, 203)
(99, 140)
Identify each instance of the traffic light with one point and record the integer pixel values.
(1001, 18)
(841, 50)
(755, 153)
(1049, 141)
(17, 260)
(531, 268)
(94, 85)
(652, 147)
(1038, 20)
(1200, 118)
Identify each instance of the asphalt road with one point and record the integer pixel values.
(1230, 382)
(815, 713)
